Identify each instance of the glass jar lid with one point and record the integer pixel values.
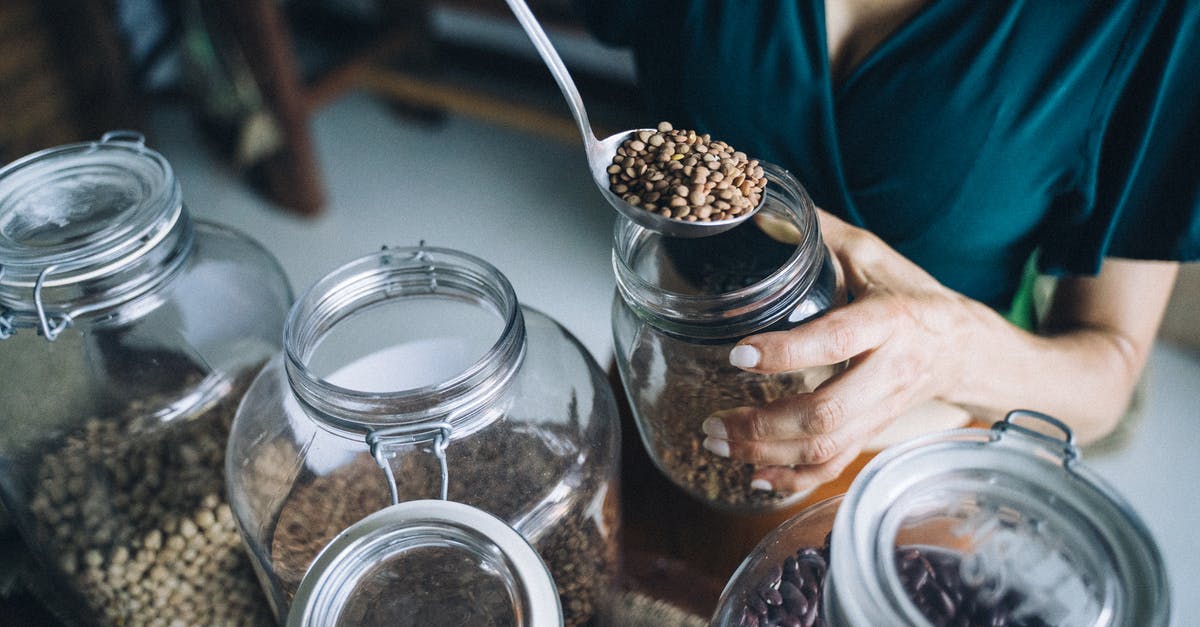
(77, 204)
(988, 524)
(83, 212)
(423, 563)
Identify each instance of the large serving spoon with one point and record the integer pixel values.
(600, 152)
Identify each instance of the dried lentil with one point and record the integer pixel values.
(685, 176)
(578, 543)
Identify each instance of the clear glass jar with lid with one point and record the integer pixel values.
(414, 373)
(427, 562)
(129, 333)
(1000, 526)
(681, 306)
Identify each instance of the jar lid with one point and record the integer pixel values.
(1010, 517)
(72, 214)
(73, 205)
(427, 562)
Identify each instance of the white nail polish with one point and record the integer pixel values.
(744, 356)
(715, 428)
(761, 484)
(717, 447)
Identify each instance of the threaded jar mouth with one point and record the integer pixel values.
(405, 336)
(678, 306)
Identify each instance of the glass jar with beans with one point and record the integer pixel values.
(681, 306)
(972, 527)
(128, 333)
(413, 374)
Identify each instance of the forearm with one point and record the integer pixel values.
(1084, 376)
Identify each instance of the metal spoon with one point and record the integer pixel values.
(600, 152)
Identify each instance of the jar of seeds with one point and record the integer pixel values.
(412, 374)
(128, 333)
(971, 527)
(682, 304)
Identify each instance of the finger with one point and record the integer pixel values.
(802, 478)
(835, 337)
(861, 399)
(790, 418)
(817, 449)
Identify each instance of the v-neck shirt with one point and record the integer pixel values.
(973, 134)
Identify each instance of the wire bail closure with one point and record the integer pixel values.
(383, 443)
(1070, 452)
(6, 323)
(50, 329)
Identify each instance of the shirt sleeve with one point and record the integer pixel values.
(1145, 186)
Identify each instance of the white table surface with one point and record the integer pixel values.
(528, 206)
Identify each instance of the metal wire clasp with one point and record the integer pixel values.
(384, 442)
(50, 328)
(1070, 451)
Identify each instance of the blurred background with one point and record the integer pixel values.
(250, 79)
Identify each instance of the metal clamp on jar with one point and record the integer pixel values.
(1000, 526)
(411, 374)
(128, 333)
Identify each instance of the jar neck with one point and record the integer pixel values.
(742, 309)
(392, 277)
(88, 231)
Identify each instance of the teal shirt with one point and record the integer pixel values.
(976, 133)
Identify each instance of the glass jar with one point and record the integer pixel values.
(682, 304)
(1000, 526)
(411, 374)
(130, 333)
(427, 563)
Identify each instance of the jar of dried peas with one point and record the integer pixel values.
(128, 333)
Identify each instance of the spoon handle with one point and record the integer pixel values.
(561, 76)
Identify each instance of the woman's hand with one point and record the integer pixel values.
(903, 334)
(908, 339)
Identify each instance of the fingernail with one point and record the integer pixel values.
(744, 356)
(761, 484)
(715, 428)
(716, 447)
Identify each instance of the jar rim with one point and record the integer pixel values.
(327, 586)
(742, 310)
(387, 276)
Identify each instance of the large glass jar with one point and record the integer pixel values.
(682, 304)
(129, 332)
(974, 527)
(412, 374)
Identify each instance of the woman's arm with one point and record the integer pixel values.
(910, 339)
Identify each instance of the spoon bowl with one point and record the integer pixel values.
(600, 152)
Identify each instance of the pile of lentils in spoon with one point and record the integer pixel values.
(682, 175)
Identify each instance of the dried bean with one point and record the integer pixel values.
(930, 577)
